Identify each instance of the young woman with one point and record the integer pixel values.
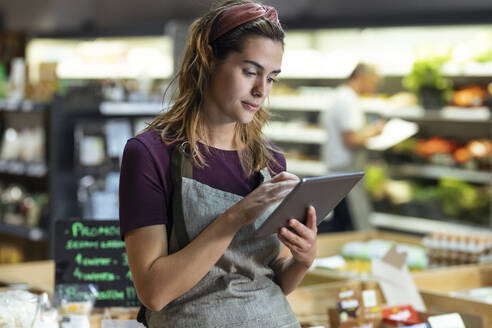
(197, 184)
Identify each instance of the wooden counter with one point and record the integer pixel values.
(38, 275)
(41, 275)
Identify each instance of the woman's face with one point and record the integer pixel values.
(241, 82)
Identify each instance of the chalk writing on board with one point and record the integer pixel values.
(89, 251)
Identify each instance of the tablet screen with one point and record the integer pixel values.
(323, 192)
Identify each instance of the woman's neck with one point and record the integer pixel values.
(222, 137)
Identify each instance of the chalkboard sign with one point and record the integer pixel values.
(92, 252)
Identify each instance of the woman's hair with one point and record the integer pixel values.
(183, 122)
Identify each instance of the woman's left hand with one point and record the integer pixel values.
(301, 240)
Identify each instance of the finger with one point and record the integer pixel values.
(281, 189)
(301, 229)
(284, 176)
(293, 238)
(287, 243)
(311, 218)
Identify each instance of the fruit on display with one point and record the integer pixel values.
(475, 154)
(375, 179)
(446, 199)
(435, 145)
(481, 148)
(462, 199)
(380, 187)
(470, 96)
(462, 155)
(398, 191)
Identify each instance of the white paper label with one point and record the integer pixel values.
(451, 320)
(369, 298)
(352, 304)
(346, 294)
(400, 316)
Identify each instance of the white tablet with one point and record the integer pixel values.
(324, 193)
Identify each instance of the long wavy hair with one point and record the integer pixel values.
(183, 121)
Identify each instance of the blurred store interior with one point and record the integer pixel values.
(78, 78)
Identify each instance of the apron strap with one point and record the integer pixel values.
(264, 175)
(181, 166)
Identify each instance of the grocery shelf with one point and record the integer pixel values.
(418, 225)
(478, 114)
(317, 103)
(34, 234)
(21, 106)
(306, 167)
(449, 113)
(14, 167)
(130, 108)
(436, 172)
(295, 134)
(297, 103)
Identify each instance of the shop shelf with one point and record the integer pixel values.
(383, 108)
(21, 106)
(131, 108)
(296, 134)
(306, 167)
(416, 225)
(297, 103)
(436, 172)
(34, 234)
(449, 113)
(14, 167)
(478, 114)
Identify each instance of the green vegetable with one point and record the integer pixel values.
(375, 179)
(459, 198)
(426, 75)
(405, 146)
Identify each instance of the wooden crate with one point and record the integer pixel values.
(311, 303)
(435, 287)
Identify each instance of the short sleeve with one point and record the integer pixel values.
(142, 193)
(350, 117)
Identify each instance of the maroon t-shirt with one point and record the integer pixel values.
(145, 180)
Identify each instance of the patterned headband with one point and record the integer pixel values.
(240, 14)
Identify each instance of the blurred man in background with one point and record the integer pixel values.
(344, 152)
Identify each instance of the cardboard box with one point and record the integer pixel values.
(436, 285)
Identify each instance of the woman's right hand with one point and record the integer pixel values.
(252, 206)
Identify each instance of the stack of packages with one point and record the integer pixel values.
(444, 249)
(359, 304)
(392, 301)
